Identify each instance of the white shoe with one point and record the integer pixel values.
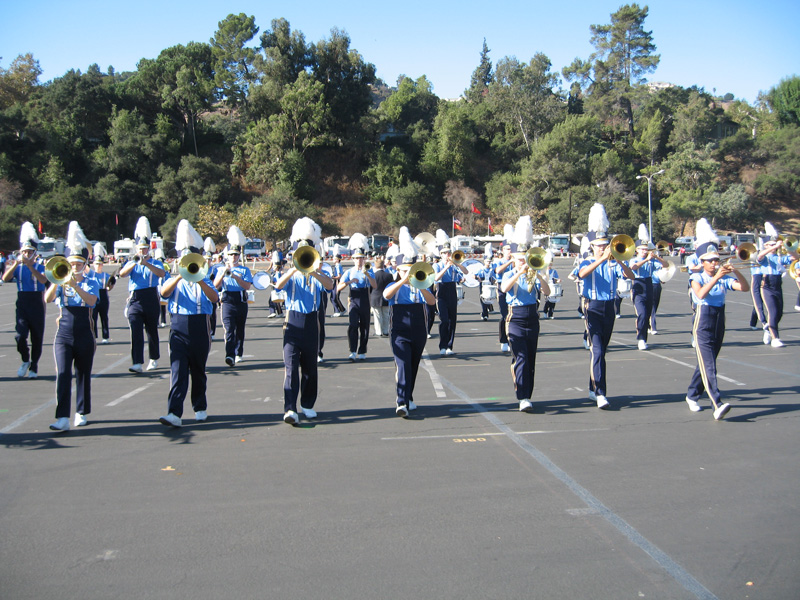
(352, 356)
(238, 359)
(693, 405)
(721, 411)
(80, 420)
(449, 352)
(442, 352)
(503, 347)
(153, 364)
(23, 370)
(429, 336)
(525, 406)
(291, 417)
(767, 336)
(694, 342)
(592, 396)
(137, 368)
(104, 341)
(309, 413)
(337, 314)
(170, 420)
(602, 402)
(34, 374)
(776, 343)
(617, 316)
(642, 345)
(412, 406)
(229, 360)
(319, 359)
(586, 344)
(361, 357)
(61, 424)
(796, 307)
(273, 315)
(200, 416)
(653, 332)
(401, 410)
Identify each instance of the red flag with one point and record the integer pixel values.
(40, 226)
(456, 221)
(456, 226)
(491, 229)
(475, 210)
(116, 219)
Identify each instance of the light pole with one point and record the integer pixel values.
(650, 199)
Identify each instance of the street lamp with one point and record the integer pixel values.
(650, 198)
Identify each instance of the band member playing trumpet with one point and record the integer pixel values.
(360, 280)
(448, 274)
(30, 307)
(522, 286)
(773, 260)
(407, 300)
(708, 294)
(599, 288)
(74, 344)
(144, 306)
(190, 298)
(301, 327)
(643, 265)
(106, 282)
(234, 280)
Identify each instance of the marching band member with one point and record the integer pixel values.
(757, 318)
(144, 306)
(708, 294)
(693, 265)
(300, 330)
(338, 271)
(599, 288)
(658, 273)
(30, 307)
(190, 303)
(379, 305)
(448, 274)
(158, 254)
(643, 265)
(360, 280)
(486, 275)
(275, 308)
(583, 254)
(323, 306)
(772, 267)
(106, 282)
(233, 281)
(551, 275)
(408, 336)
(522, 287)
(503, 263)
(74, 344)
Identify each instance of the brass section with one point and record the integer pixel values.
(667, 272)
(58, 270)
(745, 256)
(193, 267)
(536, 259)
(622, 247)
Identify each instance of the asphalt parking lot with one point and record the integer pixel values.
(468, 498)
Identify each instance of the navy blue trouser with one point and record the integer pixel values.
(708, 331)
(321, 310)
(656, 302)
(409, 334)
(234, 318)
(358, 328)
(522, 326)
(74, 345)
(600, 325)
(501, 300)
(642, 305)
(757, 316)
(144, 309)
(30, 321)
(772, 295)
(189, 344)
(300, 348)
(447, 305)
(100, 309)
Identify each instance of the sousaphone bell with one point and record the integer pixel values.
(426, 242)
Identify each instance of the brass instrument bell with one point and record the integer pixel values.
(426, 242)
(662, 246)
(744, 256)
(536, 259)
(193, 267)
(793, 269)
(622, 247)
(458, 257)
(421, 275)
(790, 243)
(306, 259)
(58, 270)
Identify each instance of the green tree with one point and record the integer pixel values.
(450, 151)
(784, 99)
(234, 69)
(19, 80)
(694, 122)
(481, 77)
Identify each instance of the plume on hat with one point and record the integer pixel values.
(209, 245)
(585, 243)
(488, 250)
(142, 229)
(508, 232)
(358, 241)
(305, 229)
(408, 248)
(236, 237)
(187, 238)
(393, 251)
(99, 250)
(523, 232)
(27, 233)
(442, 238)
(704, 233)
(643, 235)
(76, 240)
(770, 230)
(598, 220)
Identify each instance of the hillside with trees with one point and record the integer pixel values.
(259, 128)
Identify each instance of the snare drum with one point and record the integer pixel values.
(262, 280)
(278, 296)
(251, 296)
(488, 292)
(624, 287)
(460, 293)
(556, 291)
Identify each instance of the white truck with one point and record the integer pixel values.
(49, 247)
(465, 243)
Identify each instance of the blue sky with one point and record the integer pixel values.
(735, 46)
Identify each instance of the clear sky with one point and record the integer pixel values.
(738, 46)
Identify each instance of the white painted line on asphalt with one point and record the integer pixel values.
(676, 571)
(759, 367)
(437, 384)
(491, 434)
(130, 394)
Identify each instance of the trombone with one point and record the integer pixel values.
(306, 259)
(537, 260)
(421, 275)
(622, 247)
(744, 256)
(662, 247)
(458, 257)
(790, 244)
(193, 267)
(58, 270)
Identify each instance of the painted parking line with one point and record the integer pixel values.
(427, 364)
(489, 434)
(130, 394)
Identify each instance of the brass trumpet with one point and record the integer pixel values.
(744, 255)
(193, 267)
(622, 247)
(306, 259)
(458, 257)
(58, 270)
(367, 266)
(421, 275)
(536, 259)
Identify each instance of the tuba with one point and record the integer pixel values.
(421, 275)
(622, 247)
(193, 267)
(58, 270)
